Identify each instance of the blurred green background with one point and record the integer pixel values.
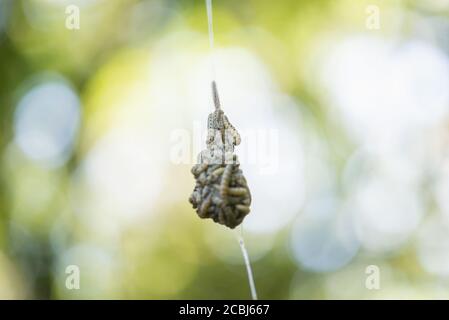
(357, 172)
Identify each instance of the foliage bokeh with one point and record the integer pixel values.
(87, 121)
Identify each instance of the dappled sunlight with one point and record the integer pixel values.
(344, 139)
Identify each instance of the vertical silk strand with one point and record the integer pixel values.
(252, 284)
(216, 99)
(211, 35)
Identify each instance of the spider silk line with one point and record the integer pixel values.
(252, 284)
(216, 99)
(211, 39)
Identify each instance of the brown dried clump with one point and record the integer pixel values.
(221, 193)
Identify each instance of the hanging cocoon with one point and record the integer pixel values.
(221, 192)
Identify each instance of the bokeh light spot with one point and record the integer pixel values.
(46, 122)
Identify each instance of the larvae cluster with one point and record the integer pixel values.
(221, 193)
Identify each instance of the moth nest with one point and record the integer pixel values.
(221, 193)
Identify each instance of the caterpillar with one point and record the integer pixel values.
(221, 192)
